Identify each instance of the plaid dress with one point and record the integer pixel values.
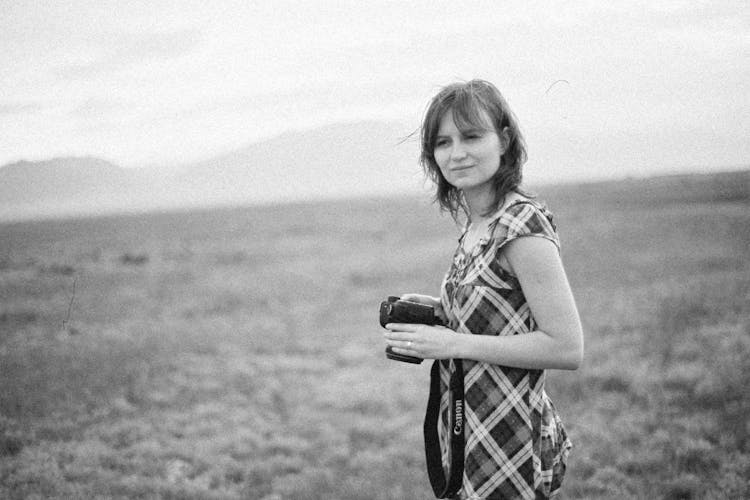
(516, 446)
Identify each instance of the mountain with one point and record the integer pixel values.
(60, 179)
(345, 159)
(66, 186)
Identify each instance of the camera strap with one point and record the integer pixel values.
(441, 486)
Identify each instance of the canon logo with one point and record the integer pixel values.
(459, 424)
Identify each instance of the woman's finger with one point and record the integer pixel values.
(413, 297)
(402, 344)
(398, 336)
(404, 350)
(402, 327)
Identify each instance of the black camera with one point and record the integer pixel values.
(395, 310)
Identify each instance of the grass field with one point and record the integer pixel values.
(236, 353)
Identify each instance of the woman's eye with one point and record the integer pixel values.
(441, 143)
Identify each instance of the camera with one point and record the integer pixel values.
(395, 310)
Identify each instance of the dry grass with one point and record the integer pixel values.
(236, 353)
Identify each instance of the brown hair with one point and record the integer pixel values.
(466, 101)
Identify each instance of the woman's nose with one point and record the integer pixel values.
(458, 152)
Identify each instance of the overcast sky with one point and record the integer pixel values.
(647, 86)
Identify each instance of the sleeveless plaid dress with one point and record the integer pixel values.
(516, 446)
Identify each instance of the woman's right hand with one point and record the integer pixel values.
(427, 300)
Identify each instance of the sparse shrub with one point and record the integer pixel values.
(92, 255)
(61, 269)
(134, 259)
(640, 463)
(10, 264)
(73, 374)
(37, 476)
(258, 480)
(10, 445)
(16, 319)
(234, 474)
(614, 383)
(123, 437)
(698, 457)
(224, 304)
(313, 482)
(734, 476)
(675, 317)
(357, 279)
(232, 258)
(683, 487)
(608, 482)
(724, 390)
(62, 430)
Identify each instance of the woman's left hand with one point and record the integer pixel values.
(422, 341)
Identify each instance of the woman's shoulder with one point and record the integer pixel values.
(524, 216)
(519, 206)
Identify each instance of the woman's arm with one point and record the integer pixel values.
(557, 342)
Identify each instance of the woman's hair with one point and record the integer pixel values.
(466, 101)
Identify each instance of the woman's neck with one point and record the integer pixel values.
(481, 205)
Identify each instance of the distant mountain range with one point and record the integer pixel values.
(341, 160)
(59, 179)
(363, 158)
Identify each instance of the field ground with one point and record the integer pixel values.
(236, 353)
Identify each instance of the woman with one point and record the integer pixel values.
(506, 303)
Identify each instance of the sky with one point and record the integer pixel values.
(601, 89)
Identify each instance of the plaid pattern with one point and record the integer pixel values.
(516, 446)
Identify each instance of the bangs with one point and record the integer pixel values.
(470, 112)
(470, 109)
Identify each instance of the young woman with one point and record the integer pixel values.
(506, 303)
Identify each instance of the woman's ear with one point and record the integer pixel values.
(504, 139)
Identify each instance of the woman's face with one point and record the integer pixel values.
(470, 158)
